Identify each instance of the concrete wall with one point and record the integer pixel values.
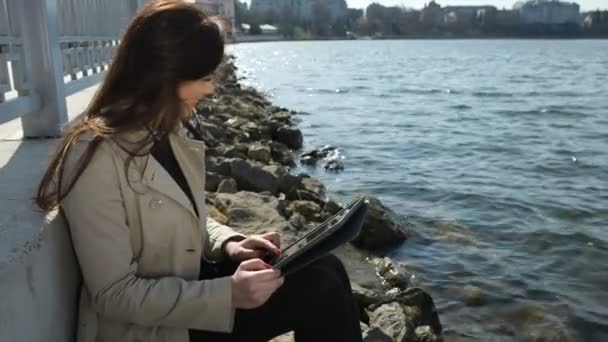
(39, 284)
(39, 277)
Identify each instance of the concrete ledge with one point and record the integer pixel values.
(40, 287)
(39, 277)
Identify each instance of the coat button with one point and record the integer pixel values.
(156, 203)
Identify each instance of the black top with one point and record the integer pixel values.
(163, 153)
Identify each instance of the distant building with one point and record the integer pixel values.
(225, 9)
(596, 21)
(432, 15)
(549, 12)
(302, 9)
(508, 20)
(468, 16)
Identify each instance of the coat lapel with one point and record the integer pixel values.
(190, 157)
(160, 180)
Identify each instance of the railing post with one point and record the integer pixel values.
(45, 68)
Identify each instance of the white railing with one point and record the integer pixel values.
(50, 49)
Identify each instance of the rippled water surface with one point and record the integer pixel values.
(497, 153)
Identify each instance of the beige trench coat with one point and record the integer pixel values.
(140, 246)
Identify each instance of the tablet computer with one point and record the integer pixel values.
(311, 241)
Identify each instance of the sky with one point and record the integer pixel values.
(586, 5)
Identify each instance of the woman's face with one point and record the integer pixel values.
(191, 92)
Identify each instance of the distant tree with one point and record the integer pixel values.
(241, 13)
(321, 22)
(287, 22)
(255, 29)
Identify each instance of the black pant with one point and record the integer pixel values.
(315, 302)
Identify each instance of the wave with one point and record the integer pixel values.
(549, 111)
(461, 107)
(492, 94)
(421, 91)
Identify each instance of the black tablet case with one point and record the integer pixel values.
(348, 232)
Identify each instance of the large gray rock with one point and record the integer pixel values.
(389, 318)
(259, 153)
(381, 229)
(252, 213)
(307, 209)
(290, 136)
(473, 296)
(308, 189)
(282, 154)
(236, 151)
(391, 275)
(212, 181)
(425, 334)
(376, 334)
(252, 177)
(228, 186)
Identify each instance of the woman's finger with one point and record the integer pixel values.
(273, 237)
(257, 242)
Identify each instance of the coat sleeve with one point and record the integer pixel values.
(96, 215)
(219, 234)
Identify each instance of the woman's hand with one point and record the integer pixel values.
(253, 283)
(254, 246)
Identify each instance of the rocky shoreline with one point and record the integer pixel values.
(251, 147)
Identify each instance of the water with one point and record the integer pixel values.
(495, 150)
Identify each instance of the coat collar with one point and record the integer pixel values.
(190, 157)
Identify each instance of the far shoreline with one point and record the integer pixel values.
(420, 38)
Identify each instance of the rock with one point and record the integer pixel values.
(473, 296)
(390, 274)
(236, 151)
(281, 153)
(334, 165)
(307, 209)
(283, 116)
(253, 130)
(314, 185)
(205, 135)
(292, 137)
(237, 135)
(228, 186)
(236, 122)
(332, 207)
(214, 152)
(216, 131)
(389, 318)
(308, 160)
(217, 215)
(308, 189)
(224, 167)
(381, 229)
(298, 221)
(424, 313)
(365, 297)
(313, 154)
(289, 337)
(259, 153)
(212, 181)
(425, 334)
(252, 177)
(210, 163)
(326, 150)
(251, 213)
(317, 153)
(376, 334)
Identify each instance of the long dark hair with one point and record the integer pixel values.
(166, 43)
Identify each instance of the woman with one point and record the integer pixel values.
(155, 267)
